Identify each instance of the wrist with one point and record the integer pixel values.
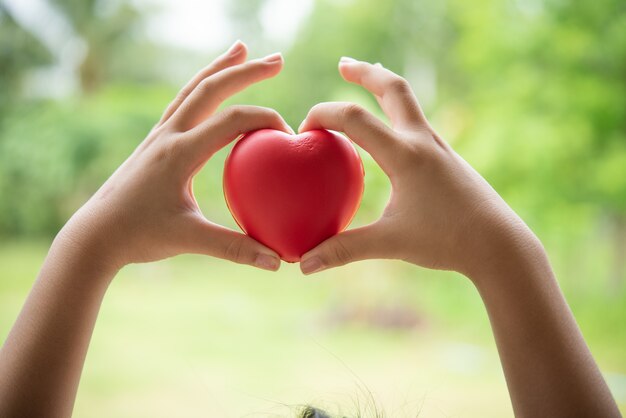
(83, 247)
(511, 253)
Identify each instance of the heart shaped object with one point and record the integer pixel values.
(291, 192)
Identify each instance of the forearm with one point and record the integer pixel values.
(548, 367)
(42, 358)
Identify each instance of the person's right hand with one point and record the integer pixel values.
(441, 214)
(146, 210)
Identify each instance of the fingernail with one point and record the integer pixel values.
(267, 262)
(290, 129)
(311, 265)
(346, 60)
(275, 57)
(235, 48)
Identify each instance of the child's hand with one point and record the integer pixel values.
(442, 214)
(146, 210)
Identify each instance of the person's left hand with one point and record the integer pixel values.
(146, 210)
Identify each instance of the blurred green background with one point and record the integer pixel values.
(531, 92)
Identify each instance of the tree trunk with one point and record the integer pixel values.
(90, 72)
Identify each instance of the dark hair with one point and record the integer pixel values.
(311, 412)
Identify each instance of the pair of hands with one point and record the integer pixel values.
(441, 213)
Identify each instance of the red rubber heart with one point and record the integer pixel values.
(291, 192)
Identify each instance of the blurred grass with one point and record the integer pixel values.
(195, 336)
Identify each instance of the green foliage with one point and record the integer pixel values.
(54, 155)
(543, 99)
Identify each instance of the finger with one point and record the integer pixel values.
(236, 54)
(218, 241)
(393, 92)
(213, 90)
(222, 128)
(361, 126)
(349, 246)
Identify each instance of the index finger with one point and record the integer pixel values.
(220, 129)
(360, 125)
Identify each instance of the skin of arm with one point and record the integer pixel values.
(145, 211)
(443, 215)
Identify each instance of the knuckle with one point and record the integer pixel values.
(205, 86)
(398, 85)
(234, 249)
(352, 111)
(340, 253)
(234, 113)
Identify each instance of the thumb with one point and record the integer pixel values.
(349, 246)
(218, 241)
